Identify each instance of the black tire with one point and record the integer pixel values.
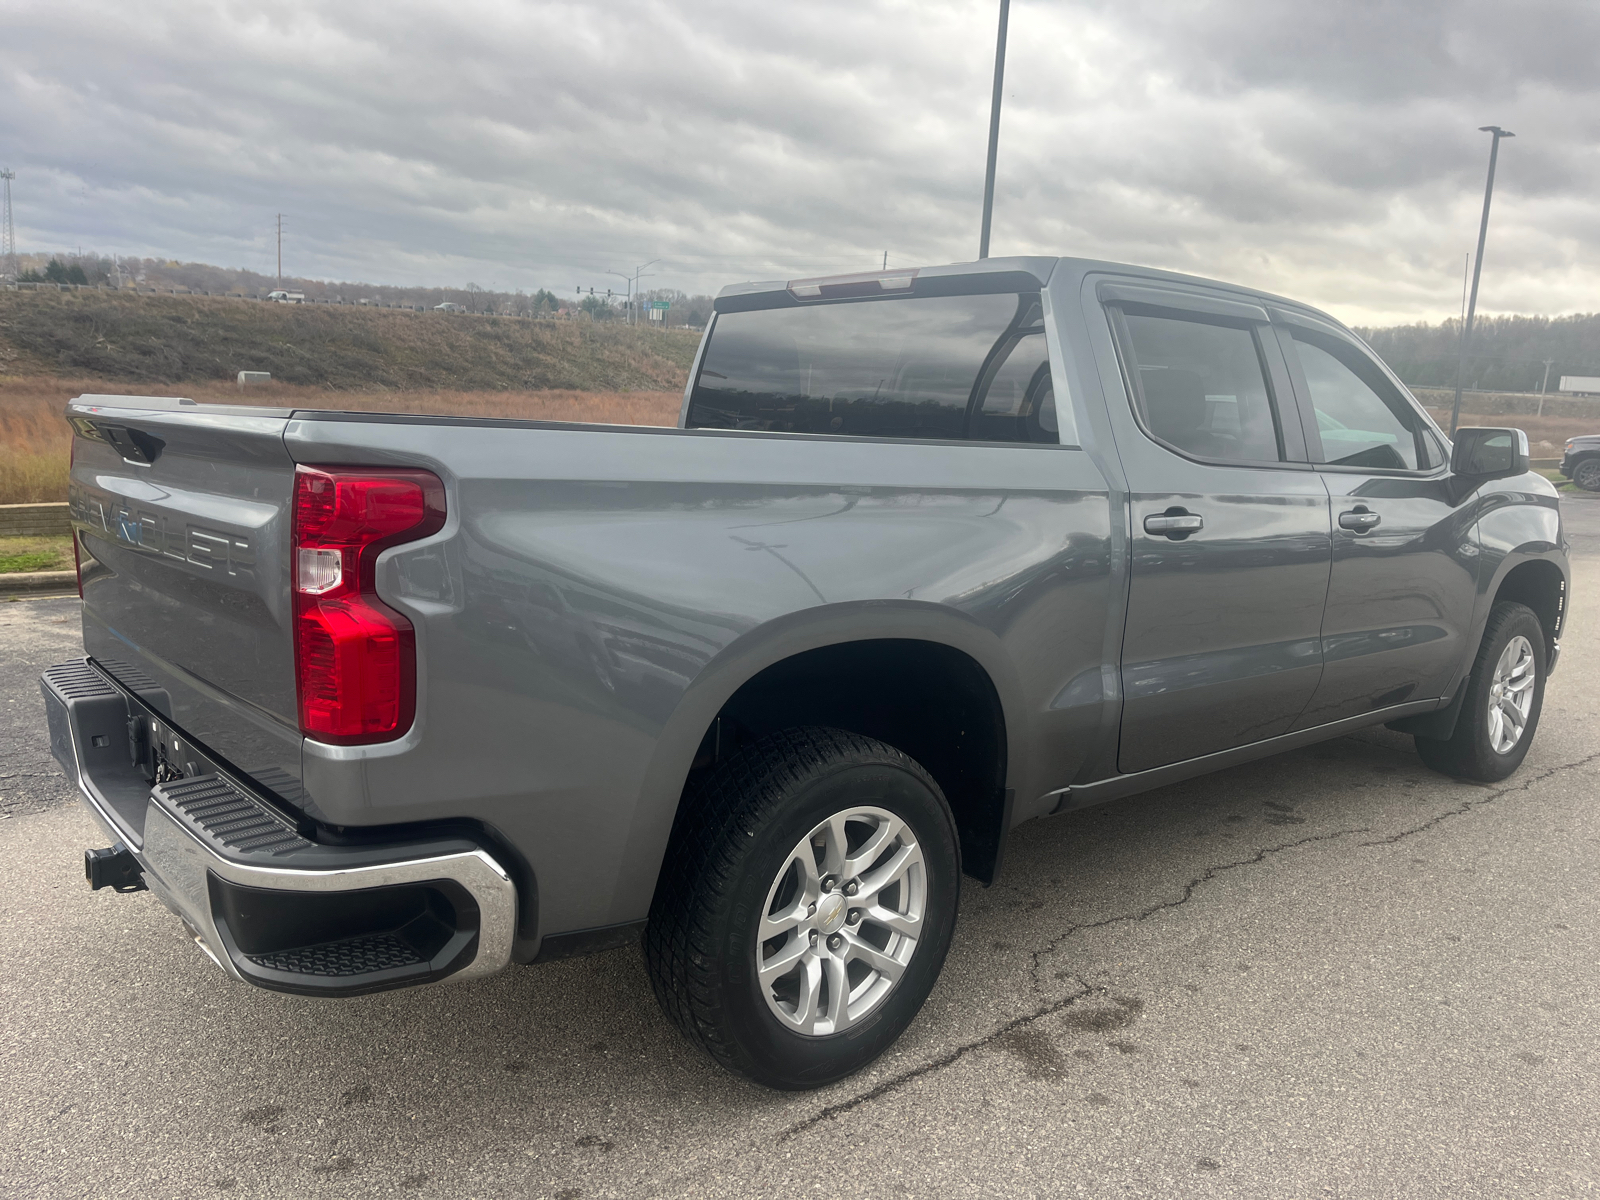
(1470, 753)
(1587, 474)
(739, 825)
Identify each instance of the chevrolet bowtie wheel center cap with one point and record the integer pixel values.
(831, 913)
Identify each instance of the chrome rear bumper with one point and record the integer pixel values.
(270, 905)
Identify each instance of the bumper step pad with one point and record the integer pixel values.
(216, 810)
(353, 956)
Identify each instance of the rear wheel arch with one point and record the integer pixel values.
(929, 700)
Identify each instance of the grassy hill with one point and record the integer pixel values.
(195, 339)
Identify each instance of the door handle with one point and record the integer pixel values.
(1175, 524)
(1359, 520)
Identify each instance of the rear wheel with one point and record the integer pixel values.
(805, 907)
(1505, 694)
(1587, 475)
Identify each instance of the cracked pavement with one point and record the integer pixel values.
(1332, 973)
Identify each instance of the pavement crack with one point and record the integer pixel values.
(833, 1111)
(1262, 854)
(1467, 806)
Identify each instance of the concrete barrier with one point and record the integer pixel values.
(25, 583)
(34, 520)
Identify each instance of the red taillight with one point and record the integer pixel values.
(355, 657)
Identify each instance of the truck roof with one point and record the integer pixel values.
(1041, 268)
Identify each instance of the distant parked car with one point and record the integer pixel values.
(1581, 462)
(287, 297)
(449, 306)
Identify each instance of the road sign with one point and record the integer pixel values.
(662, 305)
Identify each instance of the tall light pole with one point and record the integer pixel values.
(1477, 268)
(994, 128)
(8, 233)
(633, 282)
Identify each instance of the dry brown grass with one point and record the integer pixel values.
(34, 441)
(1546, 435)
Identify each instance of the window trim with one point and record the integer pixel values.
(1288, 420)
(1283, 324)
(1153, 296)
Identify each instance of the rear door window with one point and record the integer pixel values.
(1201, 387)
(969, 367)
(1362, 420)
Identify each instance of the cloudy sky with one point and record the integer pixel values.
(1324, 150)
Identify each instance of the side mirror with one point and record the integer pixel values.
(1485, 454)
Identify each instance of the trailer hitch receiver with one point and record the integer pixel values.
(115, 868)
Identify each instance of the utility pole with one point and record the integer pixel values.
(280, 249)
(8, 233)
(1477, 268)
(994, 128)
(1545, 383)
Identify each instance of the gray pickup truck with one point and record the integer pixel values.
(377, 700)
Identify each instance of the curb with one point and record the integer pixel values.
(38, 581)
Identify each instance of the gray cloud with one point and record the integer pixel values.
(1325, 151)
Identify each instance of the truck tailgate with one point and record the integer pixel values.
(182, 514)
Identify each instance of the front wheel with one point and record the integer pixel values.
(805, 906)
(1505, 694)
(1587, 475)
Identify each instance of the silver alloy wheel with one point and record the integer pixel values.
(1511, 694)
(1587, 475)
(841, 921)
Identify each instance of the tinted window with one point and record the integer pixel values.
(1018, 402)
(1202, 389)
(920, 367)
(1361, 419)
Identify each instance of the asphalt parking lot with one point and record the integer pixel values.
(1333, 973)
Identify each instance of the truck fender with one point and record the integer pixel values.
(745, 658)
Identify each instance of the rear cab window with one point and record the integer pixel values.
(964, 367)
(1204, 374)
(1202, 387)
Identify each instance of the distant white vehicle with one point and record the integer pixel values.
(1582, 385)
(449, 306)
(287, 297)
